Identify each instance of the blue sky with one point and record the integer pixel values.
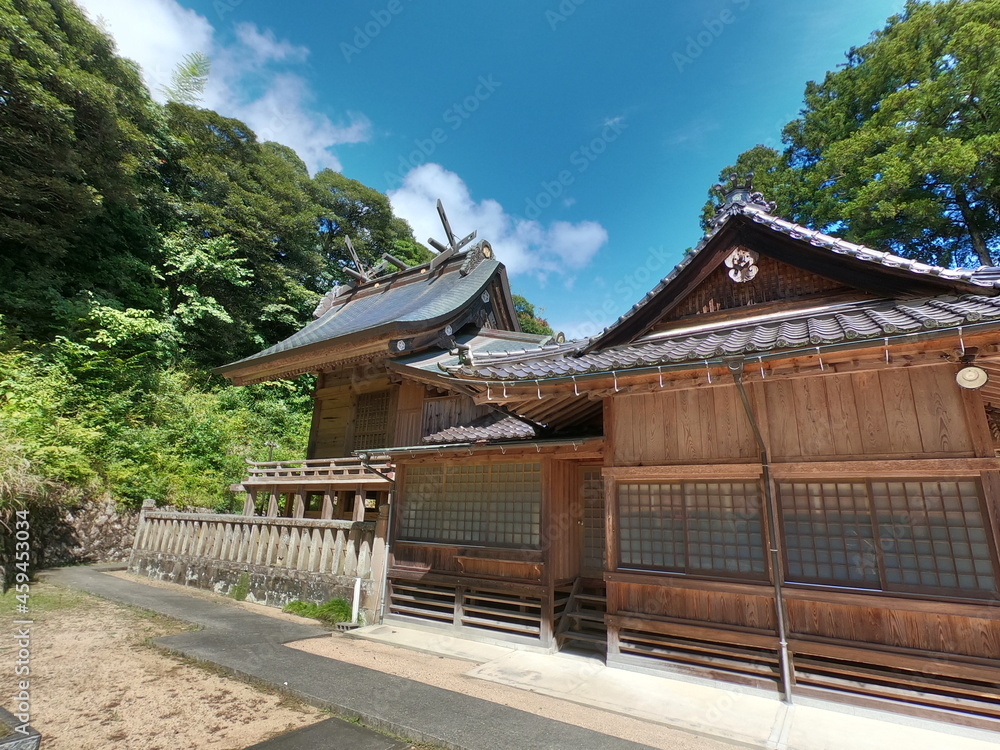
(580, 137)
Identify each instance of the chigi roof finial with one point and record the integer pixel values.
(740, 192)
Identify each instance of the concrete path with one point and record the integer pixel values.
(332, 734)
(251, 646)
(723, 711)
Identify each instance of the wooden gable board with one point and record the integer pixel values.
(790, 269)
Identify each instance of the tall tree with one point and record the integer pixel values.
(256, 198)
(900, 148)
(80, 140)
(350, 209)
(529, 317)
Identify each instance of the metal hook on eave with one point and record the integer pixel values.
(505, 389)
(576, 387)
(488, 396)
(961, 340)
(708, 372)
(538, 448)
(616, 381)
(886, 342)
(820, 355)
(503, 451)
(659, 369)
(760, 361)
(538, 390)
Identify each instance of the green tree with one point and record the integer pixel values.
(80, 140)
(900, 148)
(351, 209)
(256, 198)
(529, 318)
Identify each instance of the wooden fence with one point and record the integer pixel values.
(336, 548)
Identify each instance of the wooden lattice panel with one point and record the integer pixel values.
(909, 536)
(482, 504)
(371, 420)
(692, 527)
(774, 282)
(594, 547)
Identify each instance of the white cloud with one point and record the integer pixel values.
(154, 33)
(523, 246)
(253, 79)
(265, 47)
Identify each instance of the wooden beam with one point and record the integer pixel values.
(975, 417)
(902, 467)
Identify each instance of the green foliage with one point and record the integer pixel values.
(141, 246)
(900, 148)
(82, 417)
(187, 84)
(242, 587)
(331, 611)
(80, 142)
(349, 209)
(529, 320)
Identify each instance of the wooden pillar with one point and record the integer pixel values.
(250, 504)
(359, 503)
(328, 502)
(272, 504)
(300, 504)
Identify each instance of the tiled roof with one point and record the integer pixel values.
(492, 427)
(483, 345)
(832, 324)
(987, 277)
(410, 297)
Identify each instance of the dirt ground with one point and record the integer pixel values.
(96, 684)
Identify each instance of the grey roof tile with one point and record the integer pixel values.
(858, 321)
(407, 297)
(495, 426)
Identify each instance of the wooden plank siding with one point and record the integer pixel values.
(409, 413)
(680, 426)
(333, 416)
(442, 412)
(561, 538)
(912, 423)
(904, 413)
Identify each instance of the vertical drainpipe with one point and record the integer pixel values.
(771, 512)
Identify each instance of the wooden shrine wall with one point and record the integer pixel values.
(897, 413)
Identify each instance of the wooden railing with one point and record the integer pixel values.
(347, 471)
(339, 548)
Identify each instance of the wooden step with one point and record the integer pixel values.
(587, 615)
(595, 598)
